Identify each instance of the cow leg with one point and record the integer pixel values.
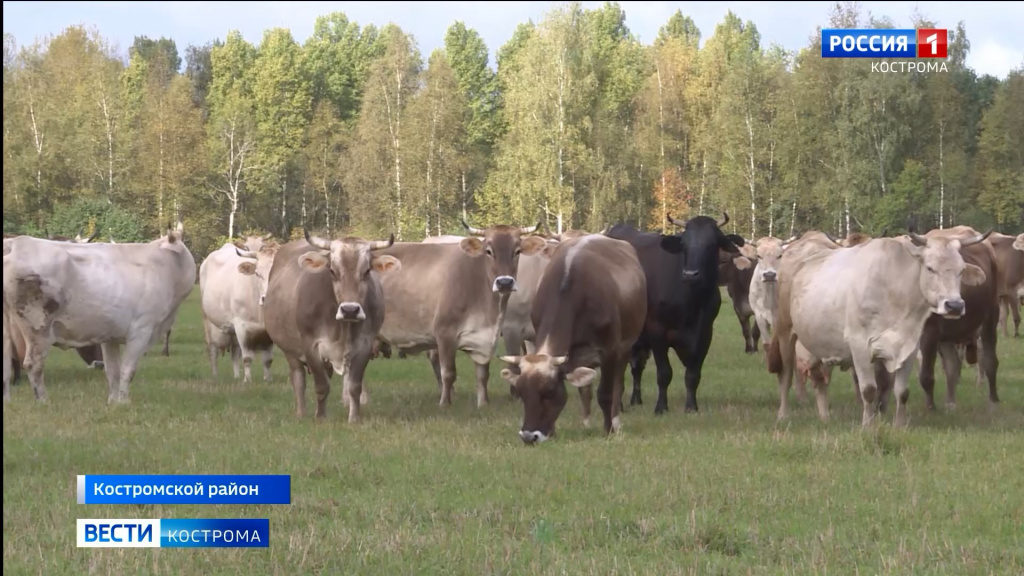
(988, 361)
(926, 375)
(35, 354)
(637, 361)
(435, 364)
(446, 358)
(817, 373)
(951, 365)
(864, 366)
(9, 360)
(664, 377)
(322, 385)
(513, 342)
(134, 349)
(755, 335)
(354, 386)
(246, 352)
(744, 327)
(605, 396)
(586, 398)
(694, 362)
(901, 385)
(297, 377)
(787, 353)
(1014, 307)
(884, 381)
(483, 374)
(167, 344)
(268, 359)
(112, 368)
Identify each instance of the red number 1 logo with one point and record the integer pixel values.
(932, 43)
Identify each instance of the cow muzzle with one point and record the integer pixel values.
(532, 437)
(350, 312)
(691, 275)
(953, 308)
(769, 276)
(263, 299)
(504, 284)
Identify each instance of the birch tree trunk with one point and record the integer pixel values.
(752, 175)
(942, 179)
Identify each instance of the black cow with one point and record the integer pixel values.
(683, 300)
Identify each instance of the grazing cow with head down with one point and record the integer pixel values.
(323, 308)
(233, 285)
(683, 300)
(73, 295)
(865, 307)
(450, 297)
(589, 310)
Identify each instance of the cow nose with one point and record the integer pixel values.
(504, 284)
(350, 311)
(955, 306)
(691, 274)
(528, 437)
(263, 299)
(768, 276)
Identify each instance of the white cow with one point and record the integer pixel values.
(233, 285)
(74, 295)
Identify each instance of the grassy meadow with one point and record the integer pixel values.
(420, 489)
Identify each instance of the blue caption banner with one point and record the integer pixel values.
(868, 43)
(184, 489)
(174, 533)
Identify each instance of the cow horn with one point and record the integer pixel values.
(471, 230)
(510, 359)
(382, 244)
(918, 240)
(832, 238)
(246, 254)
(268, 236)
(976, 239)
(675, 222)
(885, 232)
(79, 235)
(93, 237)
(316, 242)
(725, 219)
(529, 229)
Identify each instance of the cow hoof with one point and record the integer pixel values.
(951, 406)
(586, 422)
(636, 401)
(658, 411)
(616, 424)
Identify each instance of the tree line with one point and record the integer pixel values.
(579, 124)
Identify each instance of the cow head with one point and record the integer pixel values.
(502, 246)
(943, 270)
(769, 251)
(351, 263)
(699, 243)
(258, 258)
(539, 381)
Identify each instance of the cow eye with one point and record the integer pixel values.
(930, 269)
(490, 252)
(518, 251)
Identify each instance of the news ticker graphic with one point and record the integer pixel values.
(174, 533)
(884, 43)
(184, 489)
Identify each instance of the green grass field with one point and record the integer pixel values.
(419, 489)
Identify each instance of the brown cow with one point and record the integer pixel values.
(451, 297)
(1010, 265)
(735, 272)
(589, 310)
(323, 308)
(942, 335)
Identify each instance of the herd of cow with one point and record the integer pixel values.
(566, 305)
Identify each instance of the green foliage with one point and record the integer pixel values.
(87, 216)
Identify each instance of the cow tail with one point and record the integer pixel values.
(775, 355)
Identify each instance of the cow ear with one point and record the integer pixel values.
(731, 243)
(509, 376)
(532, 245)
(386, 264)
(247, 268)
(313, 262)
(741, 262)
(581, 376)
(472, 246)
(1018, 244)
(550, 247)
(749, 251)
(672, 244)
(972, 276)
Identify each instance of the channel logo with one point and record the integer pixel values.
(174, 533)
(884, 43)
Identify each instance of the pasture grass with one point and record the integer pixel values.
(419, 489)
